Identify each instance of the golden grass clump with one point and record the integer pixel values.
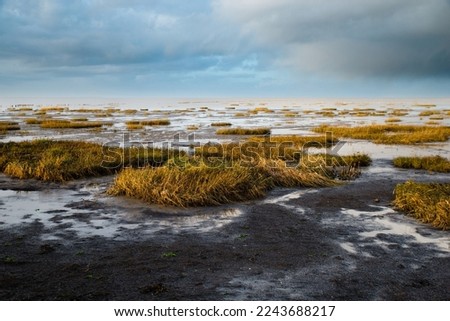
(192, 186)
(149, 122)
(52, 108)
(33, 121)
(63, 123)
(132, 126)
(66, 160)
(427, 113)
(390, 134)
(221, 124)
(428, 202)
(393, 120)
(155, 122)
(204, 185)
(88, 110)
(298, 141)
(9, 125)
(431, 163)
(426, 105)
(243, 131)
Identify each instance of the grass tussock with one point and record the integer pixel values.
(243, 131)
(131, 126)
(33, 121)
(431, 163)
(428, 202)
(393, 120)
(221, 124)
(62, 123)
(52, 108)
(390, 134)
(426, 105)
(205, 185)
(155, 122)
(67, 160)
(298, 141)
(8, 125)
(427, 113)
(149, 122)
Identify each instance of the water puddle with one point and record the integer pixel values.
(383, 226)
(89, 213)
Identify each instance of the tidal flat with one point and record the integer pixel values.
(69, 238)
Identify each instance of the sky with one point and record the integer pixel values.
(225, 48)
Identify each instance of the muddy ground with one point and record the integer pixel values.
(340, 243)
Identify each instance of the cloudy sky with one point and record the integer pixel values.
(225, 48)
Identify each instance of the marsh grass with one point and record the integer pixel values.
(53, 108)
(428, 202)
(33, 121)
(155, 122)
(149, 122)
(8, 125)
(132, 126)
(243, 131)
(390, 134)
(431, 163)
(399, 112)
(206, 185)
(67, 160)
(426, 105)
(393, 120)
(298, 141)
(221, 124)
(426, 113)
(63, 123)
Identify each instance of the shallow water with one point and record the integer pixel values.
(90, 213)
(119, 218)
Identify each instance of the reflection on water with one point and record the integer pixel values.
(382, 222)
(87, 214)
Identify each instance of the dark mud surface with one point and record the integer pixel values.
(342, 243)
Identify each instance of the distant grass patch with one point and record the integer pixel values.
(426, 113)
(220, 124)
(390, 134)
(33, 121)
(62, 123)
(9, 125)
(149, 122)
(297, 140)
(89, 110)
(393, 120)
(243, 131)
(426, 105)
(67, 160)
(131, 126)
(155, 122)
(205, 185)
(52, 108)
(428, 202)
(430, 163)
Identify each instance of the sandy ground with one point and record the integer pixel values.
(342, 243)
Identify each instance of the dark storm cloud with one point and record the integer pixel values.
(76, 33)
(350, 37)
(222, 46)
